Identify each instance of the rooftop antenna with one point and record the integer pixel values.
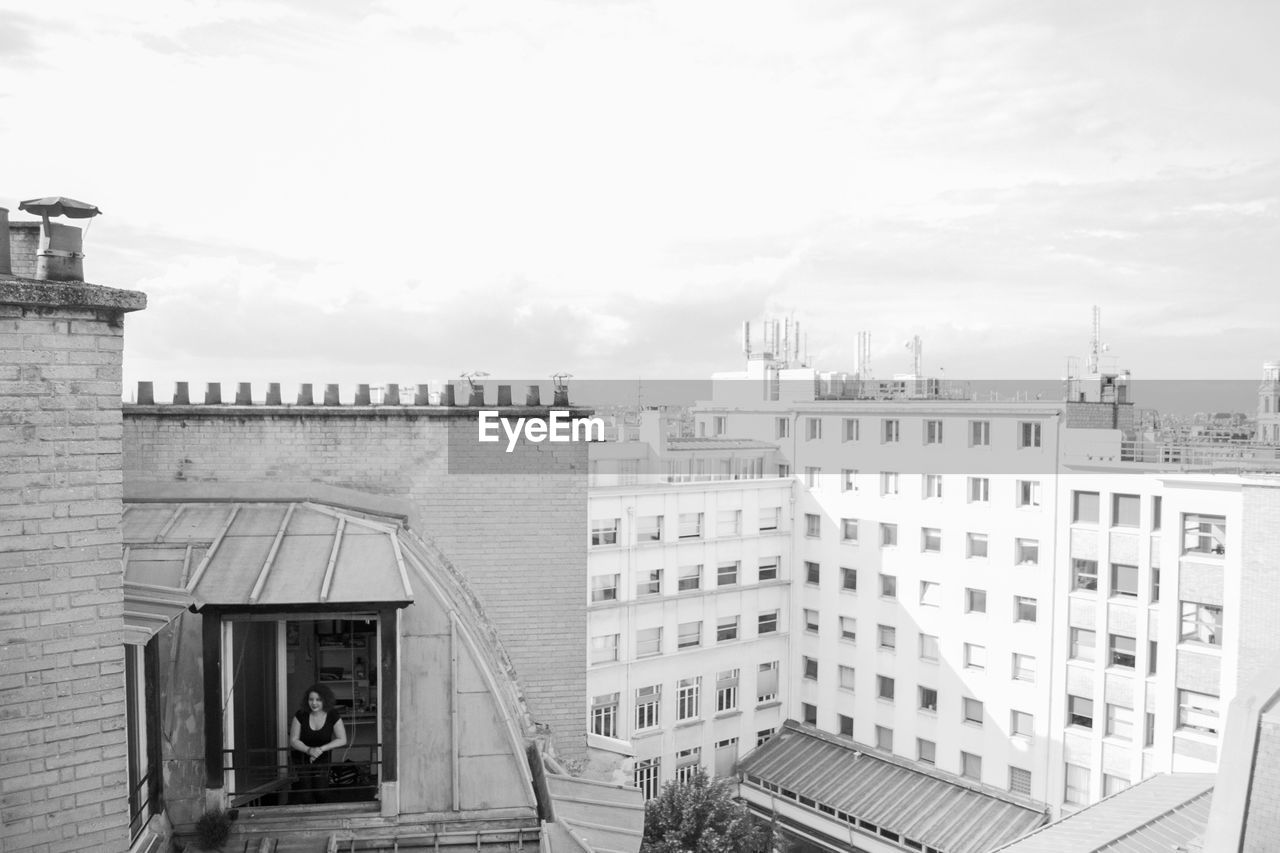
(1096, 347)
(917, 348)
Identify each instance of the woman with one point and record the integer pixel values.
(315, 732)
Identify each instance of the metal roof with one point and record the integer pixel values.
(245, 554)
(596, 817)
(944, 813)
(1157, 815)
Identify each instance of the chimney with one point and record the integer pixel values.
(61, 255)
(6, 268)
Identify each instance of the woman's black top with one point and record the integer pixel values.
(316, 737)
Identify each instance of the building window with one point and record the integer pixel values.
(928, 647)
(811, 476)
(1149, 732)
(1084, 574)
(727, 690)
(729, 522)
(604, 531)
(1204, 534)
(648, 642)
(933, 432)
(888, 586)
(888, 430)
(1198, 712)
(1028, 492)
(971, 766)
(849, 429)
(604, 715)
(782, 427)
(726, 756)
(727, 574)
(1028, 434)
(979, 489)
(1113, 784)
(1119, 722)
(810, 668)
(604, 588)
(930, 540)
(848, 628)
(848, 579)
(846, 677)
(1124, 510)
(932, 486)
(726, 629)
(648, 706)
(604, 648)
(784, 471)
(848, 480)
(719, 425)
(975, 600)
(812, 572)
(811, 620)
(1079, 711)
(926, 751)
(141, 716)
(1083, 643)
(846, 726)
(1024, 667)
(690, 635)
(1201, 623)
(1157, 504)
(979, 433)
(690, 578)
(690, 525)
(1024, 609)
(848, 530)
(648, 778)
(767, 682)
(1077, 786)
(763, 736)
(1020, 781)
(767, 623)
(976, 545)
(1084, 507)
(930, 593)
(1122, 651)
(812, 428)
(768, 568)
(769, 516)
(689, 698)
(812, 525)
(928, 698)
(1026, 552)
(972, 710)
(888, 535)
(809, 713)
(975, 656)
(887, 637)
(884, 687)
(1155, 584)
(688, 761)
(1152, 656)
(888, 482)
(649, 528)
(648, 583)
(1124, 580)
(1021, 724)
(884, 738)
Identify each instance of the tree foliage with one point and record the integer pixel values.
(701, 816)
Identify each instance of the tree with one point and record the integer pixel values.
(701, 816)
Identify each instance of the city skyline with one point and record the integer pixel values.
(314, 192)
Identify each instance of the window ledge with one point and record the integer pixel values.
(646, 733)
(1198, 737)
(725, 715)
(685, 724)
(1200, 648)
(772, 703)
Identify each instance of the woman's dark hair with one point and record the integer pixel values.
(323, 691)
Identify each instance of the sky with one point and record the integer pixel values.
(404, 191)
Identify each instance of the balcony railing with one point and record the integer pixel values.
(271, 777)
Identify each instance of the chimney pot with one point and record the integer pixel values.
(534, 396)
(213, 394)
(504, 395)
(560, 397)
(305, 395)
(146, 394)
(392, 395)
(273, 393)
(477, 396)
(362, 395)
(244, 394)
(332, 397)
(447, 396)
(181, 394)
(422, 395)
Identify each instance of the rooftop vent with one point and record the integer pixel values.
(60, 257)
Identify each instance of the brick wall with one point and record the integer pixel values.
(24, 242)
(513, 524)
(1099, 415)
(62, 737)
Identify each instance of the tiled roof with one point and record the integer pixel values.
(265, 553)
(1157, 815)
(861, 785)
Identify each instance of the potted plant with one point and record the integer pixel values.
(213, 828)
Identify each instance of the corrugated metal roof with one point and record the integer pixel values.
(950, 815)
(597, 816)
(1157, 815)
(256, 554)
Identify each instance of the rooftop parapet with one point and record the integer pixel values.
(363, 396)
